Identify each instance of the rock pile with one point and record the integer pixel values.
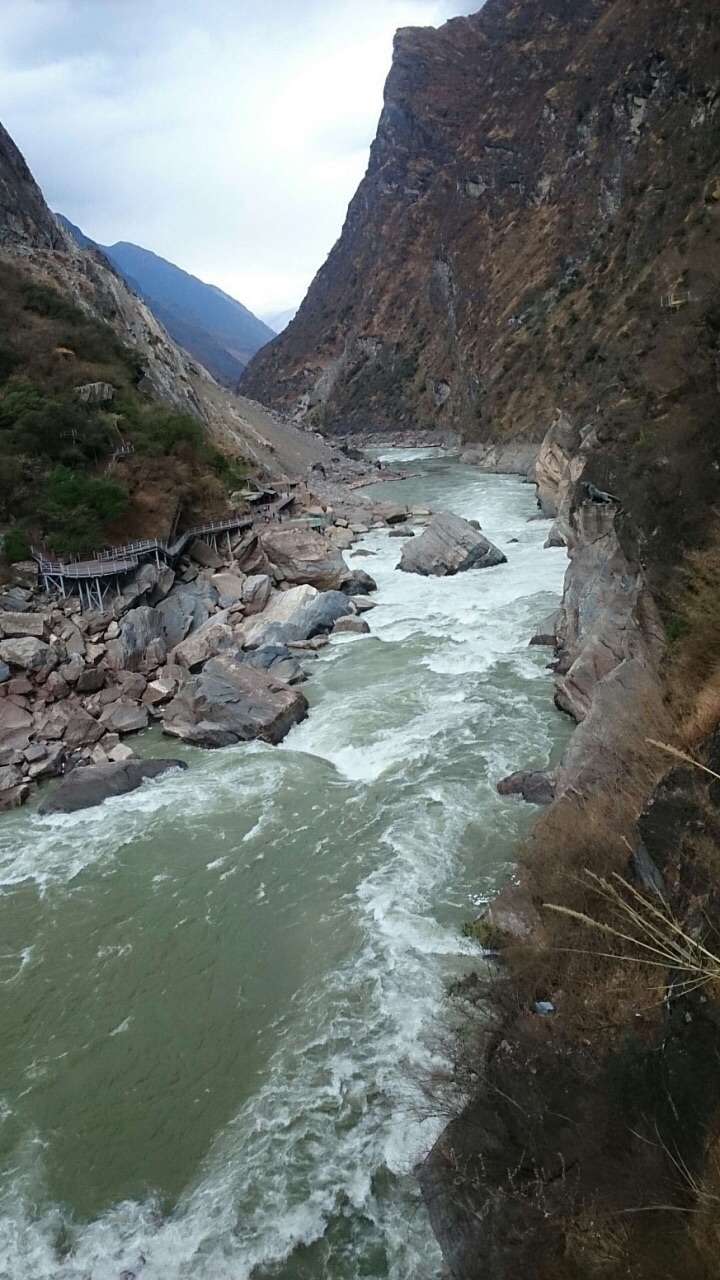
(204, 649)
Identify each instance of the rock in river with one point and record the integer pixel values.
(449, 545)
(90, 786)
(301, 556)
(231, 701)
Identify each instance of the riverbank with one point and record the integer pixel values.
(269, 936)
(588, 1146)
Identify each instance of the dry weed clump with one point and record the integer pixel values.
(692, 671)
(565, 962)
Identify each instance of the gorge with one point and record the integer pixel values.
(247, 1002)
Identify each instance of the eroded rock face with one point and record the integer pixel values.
(231, 701)
(449, 545)
(301, 556)
(86, 787)
(607, 615)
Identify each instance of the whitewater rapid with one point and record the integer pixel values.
(219, 995)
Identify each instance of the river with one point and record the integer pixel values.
(217, 995)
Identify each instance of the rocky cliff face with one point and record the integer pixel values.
(33, 239)
(538, 227)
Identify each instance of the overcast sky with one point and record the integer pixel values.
(225, 135)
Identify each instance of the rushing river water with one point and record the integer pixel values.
(216, 993)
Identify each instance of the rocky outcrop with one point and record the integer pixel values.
(608, 615)
(230, 702)
(84, 788)
(449, 545)
(301, 556)
(297, 614)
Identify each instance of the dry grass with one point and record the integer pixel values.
(655, 937)
(692, 674)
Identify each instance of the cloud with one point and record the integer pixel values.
(226, 135)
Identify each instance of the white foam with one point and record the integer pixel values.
(408, 729)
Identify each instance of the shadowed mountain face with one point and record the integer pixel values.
(544, 173)
(219, 331)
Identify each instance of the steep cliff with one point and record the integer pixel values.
(538, 226)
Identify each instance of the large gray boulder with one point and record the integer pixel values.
(297, 614)
(231, 701)
(277, 660)
(186, 609)
(215, 636)
(449, 545)
(29, 653)
(84, 788)
(140, 627)
(301, 555)
(23, 624)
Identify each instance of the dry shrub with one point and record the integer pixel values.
(692, 673)
(566, 962)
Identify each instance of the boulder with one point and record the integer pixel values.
(4, 672)
(351, 624)
(55, 686)
(214, 637)
(535, 786)
(297, 614)
(71, 671)
(302, 556)
(231, 701)
(184, 610)
(249, 554)
(360, 584)
(14, 790)
(256, 592)
(23, 624)
(401, 532)
(229, 587)
(278, 659)
(51, 765)
(203, 554)
(81, 730)
(29, 653)
(447, 546)
(124, 716)
(13, 717)
(90, 680)
(132, 684)
(158, 691)
(390, 512)
(139, 628)
(84, 788)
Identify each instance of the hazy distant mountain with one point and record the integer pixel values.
(216, 329)
(280, 321)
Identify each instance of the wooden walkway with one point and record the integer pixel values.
(94, 576)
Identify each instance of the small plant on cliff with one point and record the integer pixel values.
(651, 932)
(15, 547)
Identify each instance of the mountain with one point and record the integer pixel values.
(515, 187)
(68, 319)
(280, 320)
(219, 331)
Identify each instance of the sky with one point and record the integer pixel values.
(226, 135)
